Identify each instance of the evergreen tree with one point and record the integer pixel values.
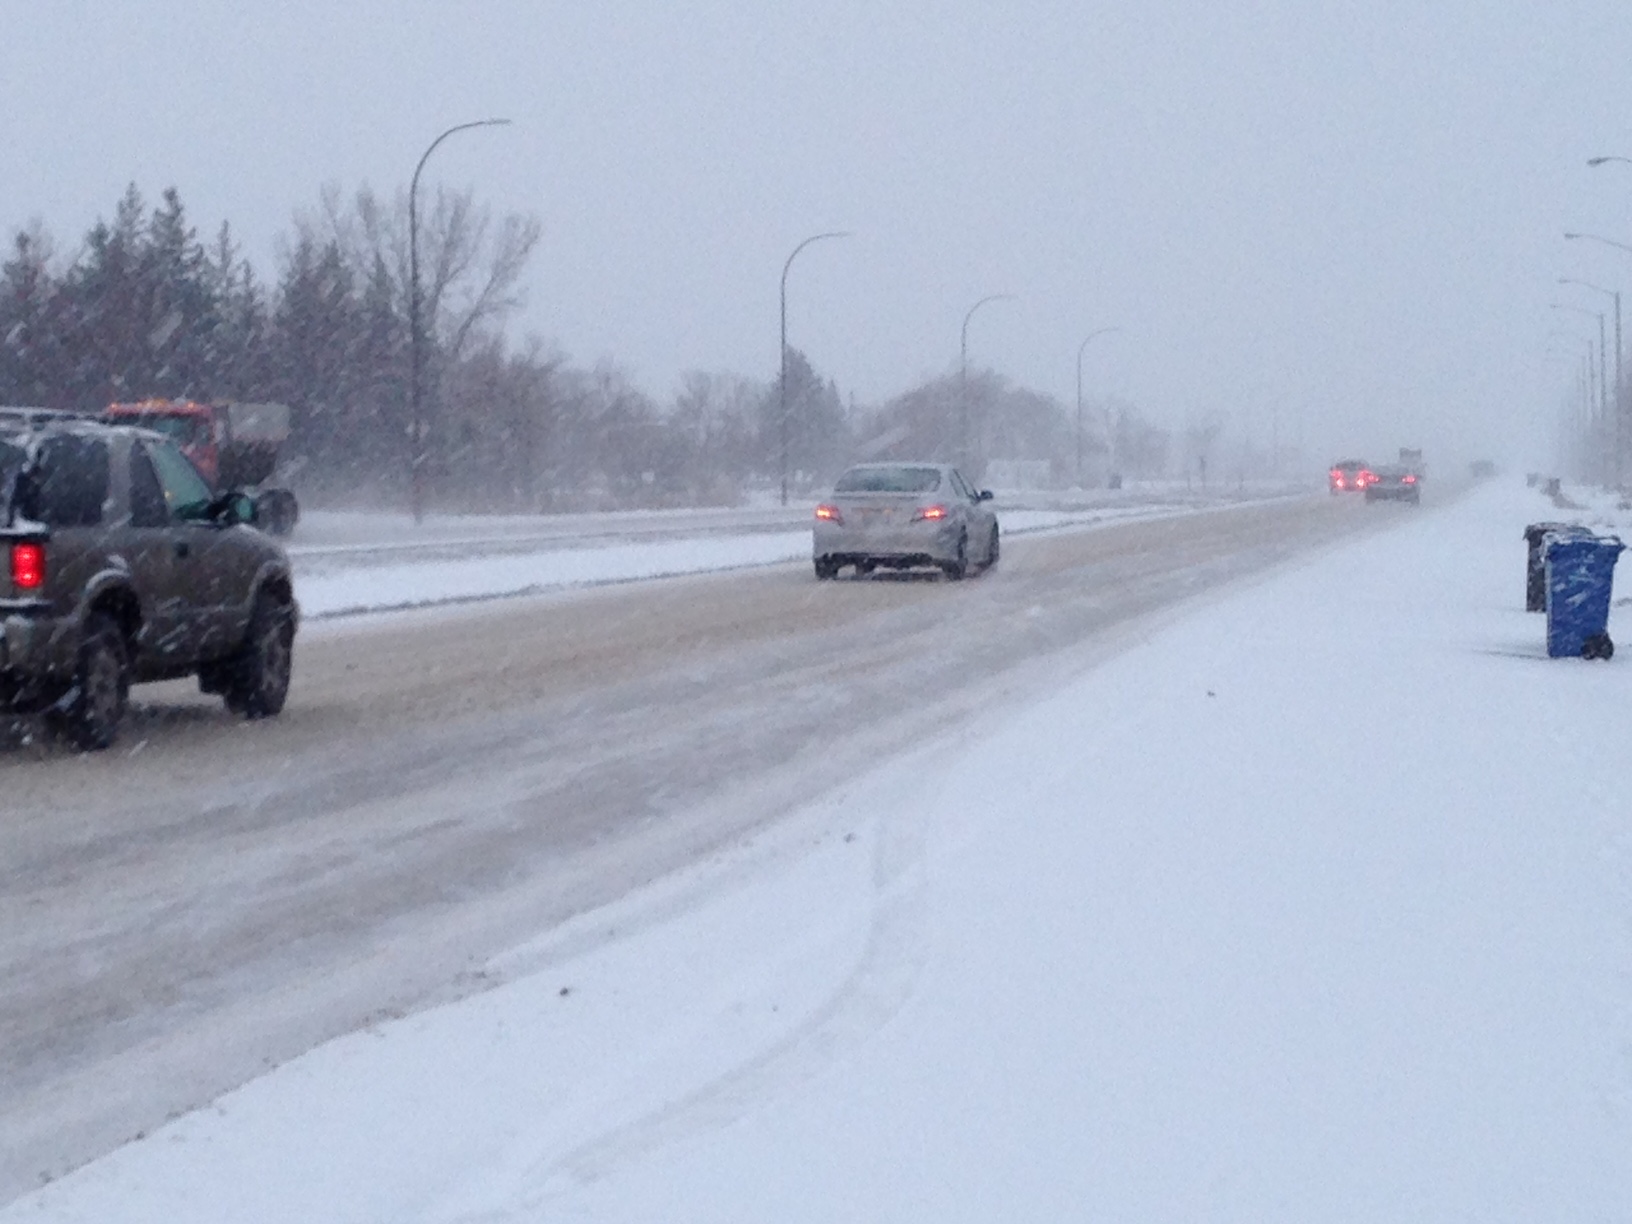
(818, 430)
(31, 350)
(315, 323)
(180, 306)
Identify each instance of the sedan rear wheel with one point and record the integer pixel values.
(956, 568)
(826, 569)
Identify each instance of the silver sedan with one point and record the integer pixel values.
(905, 516)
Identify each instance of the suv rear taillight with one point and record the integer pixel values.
(829, 514)
(28, 566)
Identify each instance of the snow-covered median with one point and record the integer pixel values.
(389, 587)
(1314, 905)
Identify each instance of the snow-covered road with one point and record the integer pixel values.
(1314, 904)
(346, 564)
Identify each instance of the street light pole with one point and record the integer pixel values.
(416, 426)
(1616, 295)
(1603, 365)
(1603, 371)
(963, 375)
(782, 380)
(1080, 348)
(1621, 407)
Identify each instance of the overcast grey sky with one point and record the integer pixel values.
(1341, 214)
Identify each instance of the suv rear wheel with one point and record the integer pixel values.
(257, 677)
(89, 716)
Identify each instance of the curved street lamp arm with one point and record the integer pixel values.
(795, 253)
(1596, 314)
(1598, 161)
(1595, 238)
(413, 183)
(1570, 280)
(1090, 336)
(990, 297)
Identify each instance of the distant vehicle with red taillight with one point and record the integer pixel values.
(1349, 476)
(904, 516)
(119, 564)
(1395, 483)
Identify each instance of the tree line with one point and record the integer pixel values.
(145, 307)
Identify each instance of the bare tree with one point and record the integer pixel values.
(470, 267)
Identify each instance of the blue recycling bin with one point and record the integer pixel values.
(1580, 577)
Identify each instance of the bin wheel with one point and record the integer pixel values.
(1598, 646)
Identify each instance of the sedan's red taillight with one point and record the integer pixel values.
(28, 566)
(931, 512)
(1408, 480)
(829, 514)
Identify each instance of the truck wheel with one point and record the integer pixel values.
(89, 716)
(258, 675)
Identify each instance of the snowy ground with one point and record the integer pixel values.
(1315, 903)
(351, 563)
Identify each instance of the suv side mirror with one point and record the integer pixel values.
(232, 508)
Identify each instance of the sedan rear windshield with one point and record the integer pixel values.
(889, 480)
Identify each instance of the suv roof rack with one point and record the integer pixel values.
(39, 416)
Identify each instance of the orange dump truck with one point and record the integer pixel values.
(235, 445)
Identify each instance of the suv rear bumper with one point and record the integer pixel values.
(36, 656)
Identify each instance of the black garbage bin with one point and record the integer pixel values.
(1535, 573)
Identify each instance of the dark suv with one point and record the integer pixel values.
(118, 564)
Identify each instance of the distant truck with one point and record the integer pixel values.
(234, 445)
(1411, 457)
